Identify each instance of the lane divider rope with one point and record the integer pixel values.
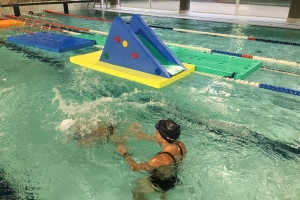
(186, 30)
(16, 29)
(280, 71)
(44, 18)
(234, 36)
(53, 28)
(255, 84)
(78, 16)
(209, 33)
(33, 22)
(279, 89)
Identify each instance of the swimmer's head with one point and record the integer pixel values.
(168, 129)
(66, 125)
(111, 129)
(30, 13)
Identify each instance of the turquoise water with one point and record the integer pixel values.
(241, 141)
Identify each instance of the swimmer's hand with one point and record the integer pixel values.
(136, 131)
(121, 149)
(118, 140)
(134, 127)
(140, 135)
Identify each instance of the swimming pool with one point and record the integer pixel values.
(242, 141)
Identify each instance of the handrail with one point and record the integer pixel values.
(43, 3)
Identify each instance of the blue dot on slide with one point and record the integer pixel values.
(157, 71)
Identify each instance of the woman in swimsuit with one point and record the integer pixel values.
(163, 166)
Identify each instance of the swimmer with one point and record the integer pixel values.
(30, 13)
(33, 14)
(162, 167)
(88, 134)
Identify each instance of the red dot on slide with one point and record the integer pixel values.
(117, 38)
(134, 55)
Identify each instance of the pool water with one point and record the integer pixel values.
(241, 141)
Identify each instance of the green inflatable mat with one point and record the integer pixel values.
(212, 63)
(217, 64)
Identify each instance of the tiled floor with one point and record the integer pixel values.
(209, 12)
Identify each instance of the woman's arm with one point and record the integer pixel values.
(136, 130)
(143, 136)
(134, 166)
(143, 166)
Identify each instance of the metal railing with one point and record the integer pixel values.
(17, 8)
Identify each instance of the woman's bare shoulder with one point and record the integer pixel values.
(183, 147)
(160, 160)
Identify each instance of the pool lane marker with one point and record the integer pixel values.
(16, 29)
(57, 25)
(53, 28)
(273, 60)
(32, 21)
(280, 71)
(78, 16)
(234, 36)
(185, 30)
(255, 84)
(279, 89)
(285, 62)
(43, 18)
(207, 33)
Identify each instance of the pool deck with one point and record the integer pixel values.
(211, 13)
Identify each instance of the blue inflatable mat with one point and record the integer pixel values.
(51, 41)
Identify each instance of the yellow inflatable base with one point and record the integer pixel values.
(7, 23)
(91, 61)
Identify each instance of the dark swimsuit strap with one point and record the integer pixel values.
(181, 153)
(169, 155)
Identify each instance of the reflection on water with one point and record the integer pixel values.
(6, 190)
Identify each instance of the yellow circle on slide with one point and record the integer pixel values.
(125, 43)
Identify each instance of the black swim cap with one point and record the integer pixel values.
(169, 130)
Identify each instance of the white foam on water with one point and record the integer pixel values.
(66, 125)
(73, 108)
(6, 90)
(99, 108)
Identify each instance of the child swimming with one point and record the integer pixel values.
(88, 133)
